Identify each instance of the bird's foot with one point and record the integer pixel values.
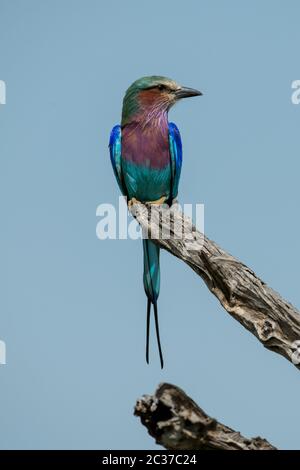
(132, 202)
(158, 202)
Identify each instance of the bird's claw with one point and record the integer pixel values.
(132, 202)
(158, 202)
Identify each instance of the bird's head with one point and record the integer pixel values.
(149, 97)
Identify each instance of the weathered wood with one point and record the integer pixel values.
(177, 423)
(275, 322)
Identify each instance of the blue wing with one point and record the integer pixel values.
(176, 157)
(115, 156)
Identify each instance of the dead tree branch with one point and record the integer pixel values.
(275, 322)
(177, 423)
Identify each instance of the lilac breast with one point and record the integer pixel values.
(148, 147)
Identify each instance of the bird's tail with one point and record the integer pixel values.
(151, 285)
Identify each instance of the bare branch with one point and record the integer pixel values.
(177, 423)
(275, 322)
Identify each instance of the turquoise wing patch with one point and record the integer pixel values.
(176, 157)
(115, 156)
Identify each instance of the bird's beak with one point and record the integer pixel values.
(185, 92)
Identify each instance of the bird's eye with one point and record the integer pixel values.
(161, 87)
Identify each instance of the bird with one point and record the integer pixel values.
(146, 156)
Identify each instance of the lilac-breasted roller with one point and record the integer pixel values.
(146, 155)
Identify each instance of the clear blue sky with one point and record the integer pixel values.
(72, 306)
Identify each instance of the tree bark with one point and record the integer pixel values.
(274, 321)
(177, 423)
